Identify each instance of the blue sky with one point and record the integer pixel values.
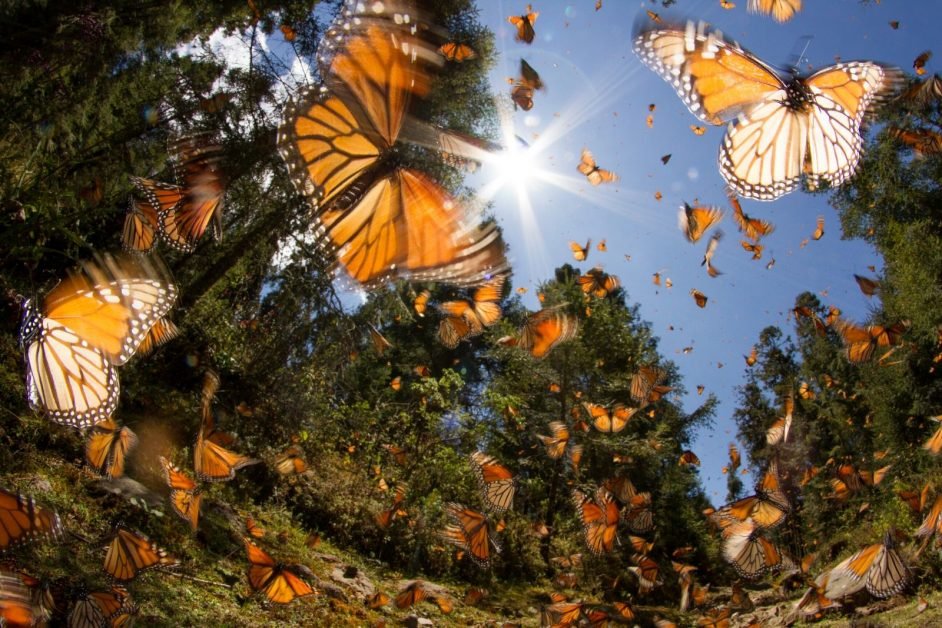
(597, 95)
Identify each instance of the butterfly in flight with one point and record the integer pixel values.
(524, 25)
(591, 170)
(781, 130)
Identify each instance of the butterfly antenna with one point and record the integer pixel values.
(796, 60)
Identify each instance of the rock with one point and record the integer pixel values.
(414, 622)
(130, 490)
(354, 580)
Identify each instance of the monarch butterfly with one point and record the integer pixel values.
(185, 497)
(290, 461)
(880, 565)
(87, 325)
(933, 521)
(495, 480)
(591, 170)
(556, 444)
(609, 421)
(561, 614)
(524, 25)
(456, 52)
(766, 509)
(420, 303)
(252, 527)
(784, 129)
(412, 594)
(380, 220)
(752, 228)
(699, 298)
(599, 519)
(695, 221)
(919, 63)
(465, 319)
(710, 252)
(621, 488)
(688, 457)
(471, 532)
(278, 582)
(819, 229)
(922, 141)
(522, 96)
(130, 553)
(445, 605)
(106, 448)
(860, 342)
(646, 384)
(647, 571)
(781, 10)
(213, 462)
(638, 514)
(380, 344)
(916, 500)
(378, 600)
(715, 618)
(934, 444)
(580, 253)
(925, 92)
(778, 433)
(16, 607)
(162, 332)
(575, 457)
(597, 283)
(102, 608)
(750, 554)
(546, 329)
(21, 520)
(195, 159)
(140, 226)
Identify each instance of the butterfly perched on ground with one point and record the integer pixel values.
(524, 25)
(599, 517)
(591, 170)
(89, 323)
(781, 130)
(102, 608)
(470, 531)
(880, 566)
(781, 10)
(107, 446)
(279, 583)
(496, 481)
(379, 220)
(130, 553)
(185, 496)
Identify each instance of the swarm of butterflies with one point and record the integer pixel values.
(378, 221)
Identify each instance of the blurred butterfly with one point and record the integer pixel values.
(288, 33)
(556, 443)
(471, 532)
(160, 333)
(378, 219)
(599, 520)
(860, 342)
(923, 142)
(819, 230)
(185, 497)
(697, 130)
(420, 303)
(22, 520)
(465, 319)
(646, 571)
(252, 527)
(591, 170)
(926, 91)
(380, 344)
(695, 221)
(456, 52)
(698, 297)
(752, 228)
(778, 432)
(932, 524)
(688, 458)
(279, 583)
(101, 608)
(710, 252)
(919, 64)
(781, 10)
(88, 324)
(597, 283)
(580, 253)
(130, 553)
(524, 25)
(654, 16)
(868, 286)
(726, 4)
(601, 246)
(646, 384)
(378, 600)
(546, 329)
(213, 462)
(291, 461)
(107, 447)
(755, 249)
(410, 595)
(609, 421)
(760, 157)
